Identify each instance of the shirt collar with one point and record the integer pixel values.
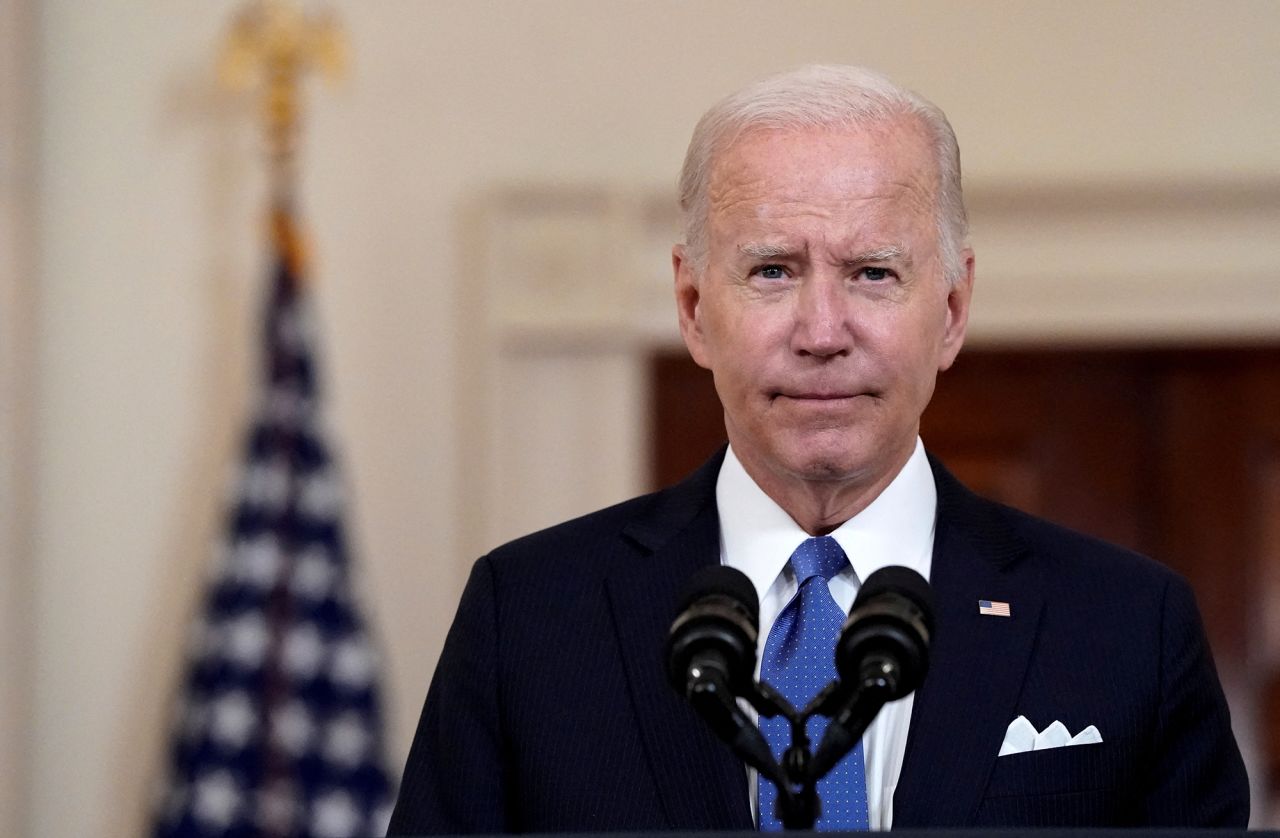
(758, 537)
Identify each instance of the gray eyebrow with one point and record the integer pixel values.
(756, 250)
(759, 250)
(880, 254)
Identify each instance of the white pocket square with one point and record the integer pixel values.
(1022, 736)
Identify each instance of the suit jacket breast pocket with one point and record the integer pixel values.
(1075, 768)
(1075, 786)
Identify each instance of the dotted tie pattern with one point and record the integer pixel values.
(799, 660)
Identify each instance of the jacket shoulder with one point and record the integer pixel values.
(1072, 551)
(635, 526)
(1008, 536)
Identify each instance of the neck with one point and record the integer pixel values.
(819, 506)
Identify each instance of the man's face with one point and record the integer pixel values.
(822, 310)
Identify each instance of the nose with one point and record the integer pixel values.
(821, 326)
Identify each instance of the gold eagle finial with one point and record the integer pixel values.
(272, 45)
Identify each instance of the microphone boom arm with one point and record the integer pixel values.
(878, 685)
(712, 699)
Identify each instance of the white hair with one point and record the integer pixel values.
(822, 96)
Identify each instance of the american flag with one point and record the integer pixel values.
(992, 608)
(278, 730)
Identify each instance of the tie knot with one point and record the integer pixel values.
(820, 556)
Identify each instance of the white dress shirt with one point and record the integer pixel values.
(758, 538)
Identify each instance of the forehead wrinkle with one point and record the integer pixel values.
(786, 209)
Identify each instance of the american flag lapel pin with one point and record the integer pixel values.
(992, 608)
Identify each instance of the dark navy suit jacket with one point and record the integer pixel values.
(550, 711)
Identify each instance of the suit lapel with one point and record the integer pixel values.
(700, 783)
(977, 662)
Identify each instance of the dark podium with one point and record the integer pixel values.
(1047, 832)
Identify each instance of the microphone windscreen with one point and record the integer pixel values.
(899, 580)
(892, 618)
(720, 580)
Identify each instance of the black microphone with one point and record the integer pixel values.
(890, 624)
(711, 658)
(715, 633)
(882, 655)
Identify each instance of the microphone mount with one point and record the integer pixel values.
(881, 656)
(850, 708)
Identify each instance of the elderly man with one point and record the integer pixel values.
(825, 281)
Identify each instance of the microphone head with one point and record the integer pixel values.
(722, 580)
(891, 619)
(899, 581)
(717, 625)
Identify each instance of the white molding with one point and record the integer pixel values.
(552, 408)
(1152, 263)
(17, 382)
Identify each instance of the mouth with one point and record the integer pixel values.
(819, 397)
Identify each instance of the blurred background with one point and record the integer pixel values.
(490, 198)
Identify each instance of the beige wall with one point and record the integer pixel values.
(16, 408)
(147, 264)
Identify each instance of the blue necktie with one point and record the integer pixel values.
(799, 660)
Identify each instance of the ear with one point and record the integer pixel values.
(688, 301)
(958, 297)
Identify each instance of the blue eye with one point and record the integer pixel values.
(877, 274)
(772, 272)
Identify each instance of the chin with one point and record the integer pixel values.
(829, 460)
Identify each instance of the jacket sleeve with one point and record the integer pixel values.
(453, 780)
(1198, 777)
